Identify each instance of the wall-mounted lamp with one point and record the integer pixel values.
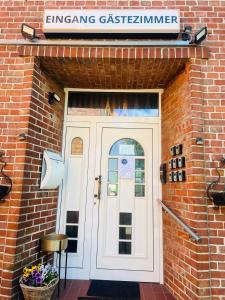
(53, 97)
(22, 136)
(186, 35)
(199, 141)
(28, 32)
(199, 36)
(215, 195)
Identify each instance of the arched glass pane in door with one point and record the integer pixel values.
(126, 161)
(126, 147)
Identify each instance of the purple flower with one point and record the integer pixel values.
(38, 280)
(34, 273)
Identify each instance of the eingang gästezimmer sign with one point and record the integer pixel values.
(111, 21)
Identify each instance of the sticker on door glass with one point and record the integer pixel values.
(126, 149)
(112, 189)
(126, 167)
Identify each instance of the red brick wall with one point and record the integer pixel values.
(213, 96)
(208, 117)
(199, 93)
(27, 213)
(194, 270)
(196, 13)
(186, 267)
(15, 87)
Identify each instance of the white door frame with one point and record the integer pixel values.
(86, 120)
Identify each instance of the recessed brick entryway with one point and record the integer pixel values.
(113, 67)
(79, 288)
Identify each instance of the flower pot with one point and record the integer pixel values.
(39, 293)
(54, 242)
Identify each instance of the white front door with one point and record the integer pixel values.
(108, 206)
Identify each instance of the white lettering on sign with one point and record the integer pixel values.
(112, 21)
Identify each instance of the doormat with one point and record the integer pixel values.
(93, 298)
(121, 290)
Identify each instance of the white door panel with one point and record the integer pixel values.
(74, 200)
(118, 235)
(143, 261)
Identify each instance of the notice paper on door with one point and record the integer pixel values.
(126, 149)
(126, 167)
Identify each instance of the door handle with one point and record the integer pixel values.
(98, 180)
